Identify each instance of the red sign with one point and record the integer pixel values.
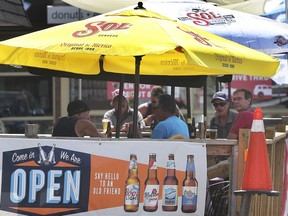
(144, 90)
(261, 87)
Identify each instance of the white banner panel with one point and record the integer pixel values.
(89, 176)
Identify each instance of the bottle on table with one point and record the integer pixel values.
(205, 127)
(189, 125)
(170, 186)
(193, 129)
(151, 192)
(132, 187)
(189, 187)
(109, 130)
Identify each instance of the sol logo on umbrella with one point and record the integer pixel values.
(204, 17)
(197, 37)
(96, 27)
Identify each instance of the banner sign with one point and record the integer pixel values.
(95, 177)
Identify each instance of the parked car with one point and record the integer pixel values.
(18, 104)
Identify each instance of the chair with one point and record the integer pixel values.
(217, 199)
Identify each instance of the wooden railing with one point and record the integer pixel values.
(233, 168)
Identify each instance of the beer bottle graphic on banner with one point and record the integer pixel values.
(170, 187)
(151, 192)
(132, 187)
(42, 155)
(189, 187)
(51, 155)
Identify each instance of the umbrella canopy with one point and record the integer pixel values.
(121, 42)
(169, 48)
(246, 29)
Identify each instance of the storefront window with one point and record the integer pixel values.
(93, 92)
(25, 98)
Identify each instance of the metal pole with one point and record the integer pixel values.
(173, 91)
(80, 89)
(245, 204)
(205, 98)
(286, 10)
(188, 102)
(136, 93)
(120, 99)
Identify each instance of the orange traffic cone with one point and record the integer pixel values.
(257, 172)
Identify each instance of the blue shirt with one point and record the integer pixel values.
(170, 127)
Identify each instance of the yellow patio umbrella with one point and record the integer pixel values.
(168, 47)
(112, 42)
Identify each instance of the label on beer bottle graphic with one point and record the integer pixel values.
(151, 195)
(152, 165)
(170, 197)
(170, 164)
(132, 195)
(189, 197)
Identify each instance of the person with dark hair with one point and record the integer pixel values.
(77, 123)
(126, 113)
(224, 117)
(242, 99)
(148, 109)
(169, 124)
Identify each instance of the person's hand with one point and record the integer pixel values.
(125, 127)
(149, 119)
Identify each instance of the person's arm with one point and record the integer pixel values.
(85, 127)
(142, 108)
(141, 121)
(148, 119)
(179, 114)
(232, 136)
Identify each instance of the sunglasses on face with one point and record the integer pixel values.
(219, 104)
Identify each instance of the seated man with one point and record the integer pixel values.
(126, 116)
(224, 118)
(77, 123)
(242, 99)
(169, 125)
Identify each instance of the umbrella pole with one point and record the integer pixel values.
(136, 93)
(217, 84)
(286, 9)
(188, 102)
(173, 91)
(229, 90)
(120, 99)
(205, 98)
